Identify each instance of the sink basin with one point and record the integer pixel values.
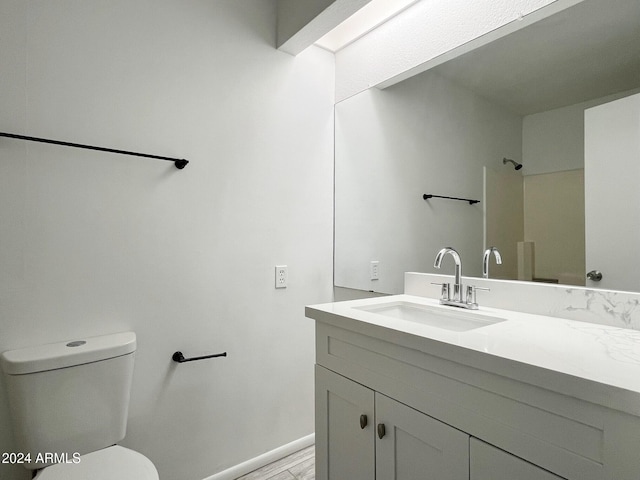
(447, 318)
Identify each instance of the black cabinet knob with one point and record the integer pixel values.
(381, 430)
(363, 421)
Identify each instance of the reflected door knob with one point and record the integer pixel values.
(594, 275)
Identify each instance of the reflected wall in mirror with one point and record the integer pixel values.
(447, 131)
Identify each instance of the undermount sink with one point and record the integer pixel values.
(447, 318)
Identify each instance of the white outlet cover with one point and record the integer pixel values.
(281, 276)
(374, 270)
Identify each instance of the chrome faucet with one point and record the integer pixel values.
(457, 286)
(485, 260)
(456, 300)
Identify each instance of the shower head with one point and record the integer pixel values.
(516, 165)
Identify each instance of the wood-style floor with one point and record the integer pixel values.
(297, 466)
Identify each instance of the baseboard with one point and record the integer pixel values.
(264, 459)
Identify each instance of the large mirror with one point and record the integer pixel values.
(544, 97)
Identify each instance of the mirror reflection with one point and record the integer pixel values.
(561, 98)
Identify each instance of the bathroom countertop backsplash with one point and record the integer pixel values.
(603, 307)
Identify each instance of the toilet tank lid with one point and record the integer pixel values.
(67, 354)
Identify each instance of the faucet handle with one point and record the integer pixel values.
(444, 292)
(471, 293)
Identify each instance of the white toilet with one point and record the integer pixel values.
(69, 403)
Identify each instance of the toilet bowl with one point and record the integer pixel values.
(69, 404)
(110, 463)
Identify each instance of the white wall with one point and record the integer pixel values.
(553, 141)
(93, 243)
(424, 135)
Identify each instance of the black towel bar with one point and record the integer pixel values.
(179, 357)
(427, 196)
(180, 163)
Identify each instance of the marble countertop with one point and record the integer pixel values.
(596, 363)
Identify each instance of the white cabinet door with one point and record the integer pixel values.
(491, 463)
(414, 446)
(345, 442)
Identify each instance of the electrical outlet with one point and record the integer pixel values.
(374, 270)
(281, 276)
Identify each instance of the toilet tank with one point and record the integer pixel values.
(69, 397)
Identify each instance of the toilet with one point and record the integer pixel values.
(69, 403)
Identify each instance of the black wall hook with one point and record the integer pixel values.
(179, 357)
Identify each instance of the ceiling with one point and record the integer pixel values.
(370, 16)
(587, 51)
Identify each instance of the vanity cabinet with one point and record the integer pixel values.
(364, 435)
(444, 410)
